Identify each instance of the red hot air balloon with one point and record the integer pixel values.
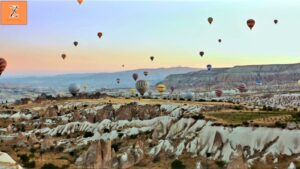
(251, 23)
(218, 92)
(135, 76)
(63, 56)
(3, 64)
(242, 88)
(99, 34)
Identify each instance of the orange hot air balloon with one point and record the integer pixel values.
(251, 23)
(63, 56)
(210, 20)
(161, 88)
(3, 64)
(99, 34)
(80, 1)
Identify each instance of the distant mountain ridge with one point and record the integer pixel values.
(228, 77)
(95, 80)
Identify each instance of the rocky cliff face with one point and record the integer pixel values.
(230, 77)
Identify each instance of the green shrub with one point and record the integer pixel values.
(88, 134)
(30, 164)
(177, 164)
(221, 164)
(49, 166)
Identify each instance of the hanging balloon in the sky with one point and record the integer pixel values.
(161, 88)
(146, 73)
(80, 1)
(209, 67)
(242, 88)
(275, 21)
(142, 86)
(123, 66)
(135, 76)
(210, 20)
(63, 56)
(218, 92)
(251, 23)
(74, 89)
(201, 53)
(75, 43)
(3, 64)
(220, 40)
(151, 58)
(99, 34)
(118, 80)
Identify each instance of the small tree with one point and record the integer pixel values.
(177, 164)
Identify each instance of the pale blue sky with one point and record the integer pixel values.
(173, 31)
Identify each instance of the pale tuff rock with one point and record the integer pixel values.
(6, 162)
(100, 155)
(237, 160)
(163, 145)
(198, 165)
(292, 166)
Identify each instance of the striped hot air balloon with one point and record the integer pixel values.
(218, 92)
(242, 88)
(3, 64)
(142, 86)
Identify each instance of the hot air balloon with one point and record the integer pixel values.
(118, 80)
(210, 20)
(74, 89)
(75, 43)
(220, 40)
(299, 82)
(201, 53)
(209, 67)
(123, 66)
(146, 73)
(218, 92)
(142, 86)
(242, 88)
(251, 23)
(275, 21)
(172, 88)
(63, 56)
(161, 88)
(3, 64)
(151, 58)
(135, 76)
(189, 96)
(80, 1)
(99, 34)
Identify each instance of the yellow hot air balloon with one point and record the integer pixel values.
(80, 1)
(161, 88)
